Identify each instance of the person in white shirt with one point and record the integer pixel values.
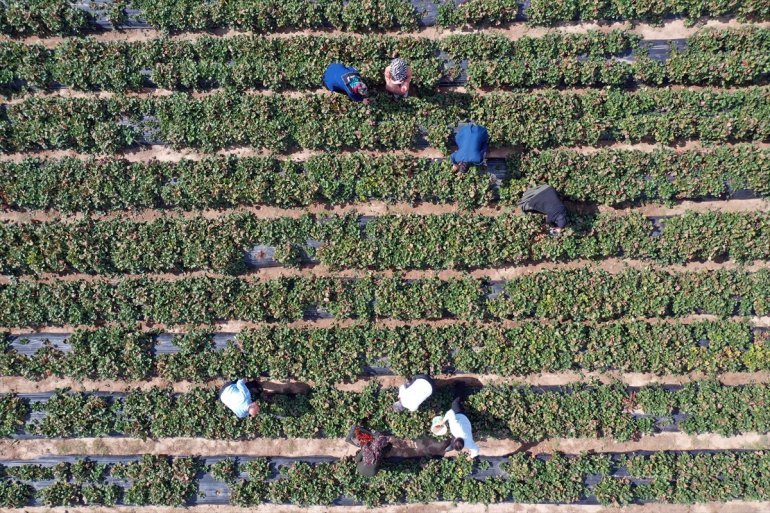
(460, 425)
(237, 396)
(412, 394)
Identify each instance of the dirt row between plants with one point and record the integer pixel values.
(337, 447)
(20, 385)
(610, 265)
(672, 29)
(164, 153)
(433, 507)
(238, 326)
(150, 92)
(380, 208)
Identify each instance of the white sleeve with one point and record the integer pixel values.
(449, 416)
(401, 391)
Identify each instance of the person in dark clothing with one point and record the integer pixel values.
(545, 200)
(373, 447)
(472, 143)
(345, 79)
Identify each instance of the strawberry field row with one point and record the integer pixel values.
(607, 176)
(549, 12)
(339, 354)
(522, 413)
(666, 477)
(30, 17)
(712, 57)
(314, 121)
(581, 294)
(61, 17)
(443, 241)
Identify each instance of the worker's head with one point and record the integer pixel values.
(560, 221)
(397, 406)
(398, 69)
(253, 409)
(358, 87)
(458, 444)
(463, 167)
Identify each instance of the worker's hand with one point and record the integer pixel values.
(456, 168)
(366, 101)
(253, 409)
(555, 232)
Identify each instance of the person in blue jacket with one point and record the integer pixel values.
(345, 79)
(472, 143)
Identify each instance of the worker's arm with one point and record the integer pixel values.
(449, 416)
(485, 146)
(241, 384)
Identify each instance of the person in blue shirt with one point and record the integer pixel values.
(472, 143)
(345, 79)
(237, 396)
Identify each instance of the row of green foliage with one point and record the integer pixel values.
(22, 18)
(154, 480)
(46, 17)
(73, 185)
(338, 354)
(712, 57)
(441, 241)
(577, 294)
(610, 177)
(238, 62)
(318, 121)
(614, 177)
(523, 413)
(550, 12)
(666, 477)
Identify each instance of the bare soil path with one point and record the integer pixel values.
(20, 385)
(237, 326)
(337, 447)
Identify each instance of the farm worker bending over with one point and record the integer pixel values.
(472, 142)
(398, 76)
(372, 449)
(345, 79)
(412, 394)
(237, 396)
(460, 425)
(543, 199)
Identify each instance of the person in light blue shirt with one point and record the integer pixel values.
(472, 145)
(237, 396)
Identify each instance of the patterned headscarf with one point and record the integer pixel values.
(398, 69)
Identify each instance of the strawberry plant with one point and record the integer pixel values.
(13, 412)
(23, 18)
(160, 480)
